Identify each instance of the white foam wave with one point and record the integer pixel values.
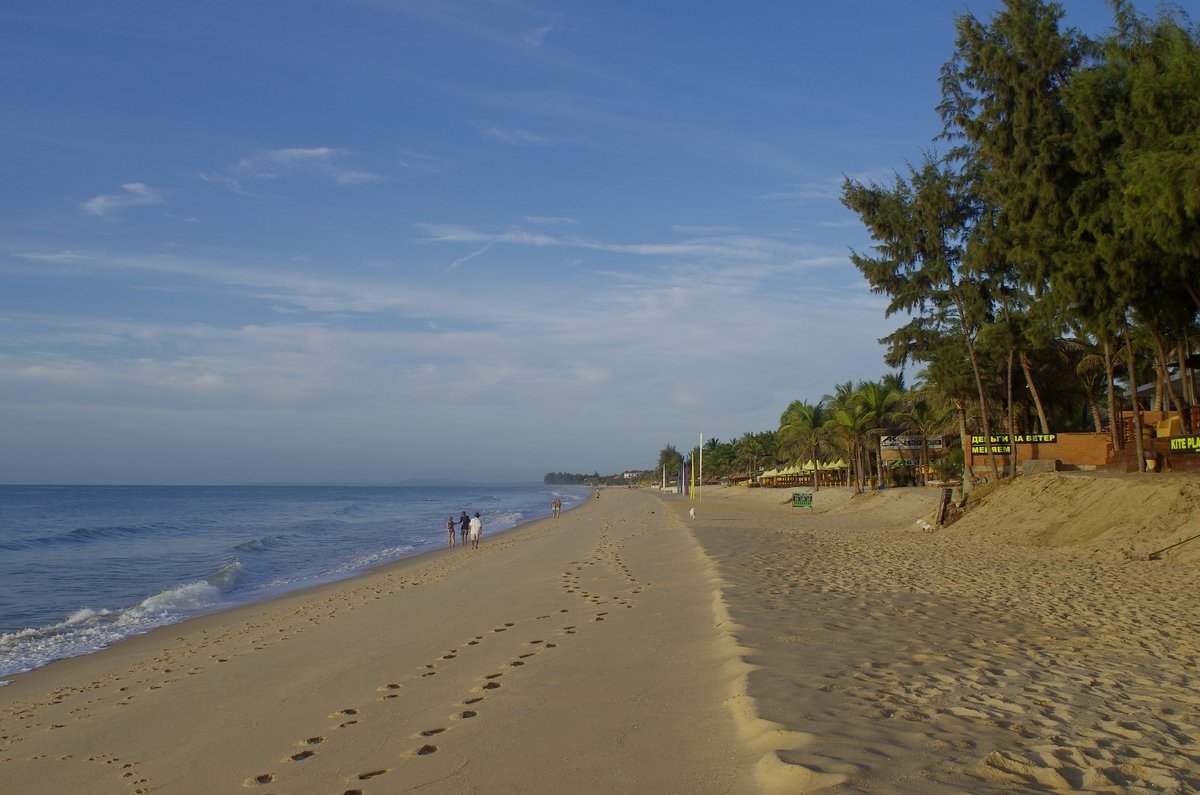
(90, 629)
(189, 598)
(228, 575)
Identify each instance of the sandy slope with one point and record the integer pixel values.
(1024, 649)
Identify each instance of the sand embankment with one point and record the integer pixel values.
(1029, 647)
(573, 655)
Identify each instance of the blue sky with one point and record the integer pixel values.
(374, 240)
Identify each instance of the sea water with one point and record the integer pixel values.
(84, 566)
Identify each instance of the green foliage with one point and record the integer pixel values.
(1062, 226)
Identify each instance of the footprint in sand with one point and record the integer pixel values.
(372, 774)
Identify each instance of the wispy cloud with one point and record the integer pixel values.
(274, 164)
(419, 161)
(547, 220)
(134, 194)
(742, 249)
(537, 36)
(705, 230)
(822, 190)
(286, 291)
(515, 136)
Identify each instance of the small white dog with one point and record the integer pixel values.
(692, 512)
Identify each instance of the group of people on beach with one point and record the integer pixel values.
(470, 527)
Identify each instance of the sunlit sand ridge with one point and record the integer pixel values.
(1030, 647)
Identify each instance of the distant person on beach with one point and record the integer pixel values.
(464, 523)
(476, 530)
(556, 507)
(450, 531)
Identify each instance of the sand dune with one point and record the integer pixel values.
(1022, 649)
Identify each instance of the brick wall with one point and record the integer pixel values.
(1072, 449)
(1094, 449)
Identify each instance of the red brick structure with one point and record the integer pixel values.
(1166, 446)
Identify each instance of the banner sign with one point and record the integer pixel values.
(1185, 444)
(1001, 446)
(909, 443)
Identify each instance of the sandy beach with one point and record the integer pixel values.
(626, 647)
(1030, 647)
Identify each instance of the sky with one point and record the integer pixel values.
(370, 241)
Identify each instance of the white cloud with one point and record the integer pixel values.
(826, 190)
(134, 194)
(728, 248)
(275, 164)
(419, 161)
(550, 220)
(515, 136)
(537, 36)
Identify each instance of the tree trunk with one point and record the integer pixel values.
(965, 437)
(1161, 356)
(1139, 447)
(1012, 419)
(983, 398)
(1183, 348)
(1094, 408)
(1114, 419)
(1033, 390)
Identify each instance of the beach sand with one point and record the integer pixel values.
(1030, 647)
(571, 655)
(626, 647)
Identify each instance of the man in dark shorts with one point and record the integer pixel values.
(464, 524)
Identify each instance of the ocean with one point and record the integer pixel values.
(82, 567)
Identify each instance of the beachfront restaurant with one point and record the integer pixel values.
(827, 473)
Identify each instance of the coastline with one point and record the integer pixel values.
(91, 566)
(757, 648)
(568, 654)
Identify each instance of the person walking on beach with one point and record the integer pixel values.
(464, 523)
(476, 530)
(556, 507)
(450, 531)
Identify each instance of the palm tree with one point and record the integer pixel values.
(670, 461)
(802, 433)
(851, 424)
(748, 451)
(878, 400)
(927, 418)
